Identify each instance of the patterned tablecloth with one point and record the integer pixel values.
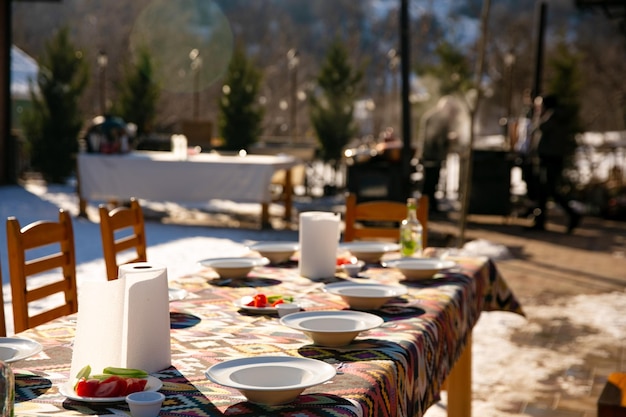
(394, 370)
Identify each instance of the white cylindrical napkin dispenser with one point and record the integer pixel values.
(124, 322)
(319, 240)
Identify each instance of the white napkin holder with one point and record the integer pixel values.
(125, 322)
(179, 147)
(319, 241)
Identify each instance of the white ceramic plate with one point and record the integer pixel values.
(332, 328)
(368, 296)
(67, 389)
(177, 294)
(234, 267)
(14, 349)
(369, 251)
(419, 268)
(271, 379)
(241, 303)
(276, 252)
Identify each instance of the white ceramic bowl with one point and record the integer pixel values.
(369, 296)
(234, 267)
(287, 308)
(271, 380)
(353, 268)
(145, 403)
(369, 252)
(415, 269)
(332, 328)
(276, 252)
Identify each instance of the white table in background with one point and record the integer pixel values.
(160, 176)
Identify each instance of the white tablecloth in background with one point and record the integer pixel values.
(158, 176)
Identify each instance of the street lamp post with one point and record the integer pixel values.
(196, 65)
(103, 61)
(509, 61)
(394, 60)
(293, 60)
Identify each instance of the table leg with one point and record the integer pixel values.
(265, 215)
(82, 207)
(459, 384)
(288, 192)
(82, 202)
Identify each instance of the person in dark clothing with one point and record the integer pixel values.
(548, 150)
(525, 129)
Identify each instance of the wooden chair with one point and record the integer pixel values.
(380, 219)
(3, 325)
(122, 230)
(56, 239)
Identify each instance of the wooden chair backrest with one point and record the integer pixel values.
(122, 229)
(57, 239)
(376, 220)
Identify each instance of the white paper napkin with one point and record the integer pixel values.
(124, 322)
(319, 240)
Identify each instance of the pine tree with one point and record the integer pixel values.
(139, 93)
(240, 114)
(332, 108)
(53, 124)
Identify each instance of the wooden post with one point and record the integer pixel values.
(5, 90)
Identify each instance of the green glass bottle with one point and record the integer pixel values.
(411, 231)
(7, 390)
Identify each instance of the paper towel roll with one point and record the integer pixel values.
(148, 311)
(124, 322)
(319, 239)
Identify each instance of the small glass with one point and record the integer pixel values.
(7, 390)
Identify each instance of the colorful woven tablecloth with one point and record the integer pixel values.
(394, 370)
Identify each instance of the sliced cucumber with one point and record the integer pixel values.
(127, 372)
(84, 373)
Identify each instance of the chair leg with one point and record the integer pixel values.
(612, 400)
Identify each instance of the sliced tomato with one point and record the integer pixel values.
(87, 387)
(113, 386)
(134, 385)
(342, 260)
(260, 300)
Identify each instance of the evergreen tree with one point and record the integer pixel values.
(53, 124)
(332, 108)
(240, 114)
(139, 93)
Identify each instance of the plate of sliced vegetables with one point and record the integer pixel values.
(113, 385)
(262, 303)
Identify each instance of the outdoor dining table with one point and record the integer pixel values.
(397, 369)
(199, 178)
